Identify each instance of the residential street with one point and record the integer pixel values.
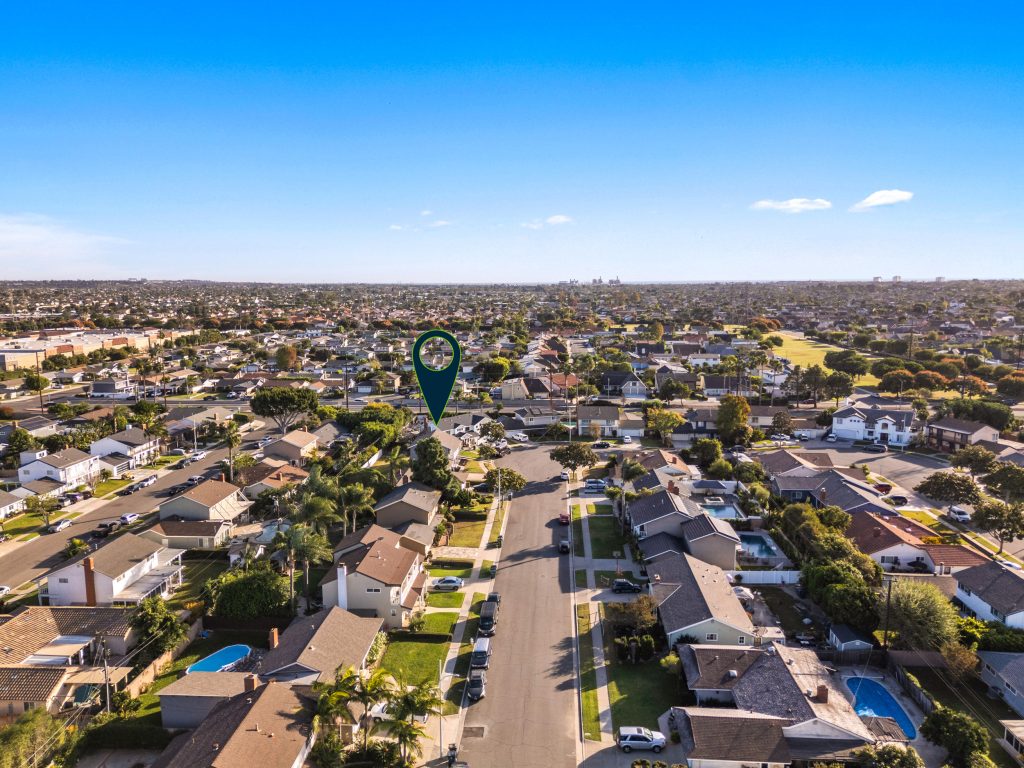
(528, 718)
(21, 562)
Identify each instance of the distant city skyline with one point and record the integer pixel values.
(525, 144)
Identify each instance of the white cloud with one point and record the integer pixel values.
(426, 212)
(882, 197)
(439, 223)
(550, 221)
(28, 239)
(793, 205)
(396, 227)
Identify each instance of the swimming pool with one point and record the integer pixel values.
(222, 660)
(872, 699)
(757, 545)
(723, 511)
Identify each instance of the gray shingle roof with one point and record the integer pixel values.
(1001, 588)
(329, 640)
(689, 591)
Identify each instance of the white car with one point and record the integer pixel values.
(1008, 564)
(640, 738)
(199, 456)
(128, 518)
(4, 591)
(831, 439)
(148, 481)
(521, 437)
(779, 437)
(565, 474)
(959, 514)
(627, 439)
(381, 711)
(60, 525)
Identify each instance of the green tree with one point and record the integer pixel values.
(733, 415)
(950, 487)
(1005, 521)
(42, 507)
(782, 422)
(432, 465)
(847, 361)
(889, 756)
(814, 381)
(706, 451)
(319, 512)
(302, 544)
(74, 548)
(574, 456)
(922, 617)
(286, 356)
(671, 389)
(284, 405)
(256, 593)
(511, 481)
(233, 438)
(35, 382)
(837, 386)
(975, 459)
(354, 500)
(1006, 480)
(899, 381)
(492, 430)
(960, 734)
(631, 470)
(662, 422)
(19, 440)
(720, 469)
(155, 622)
(494, 369)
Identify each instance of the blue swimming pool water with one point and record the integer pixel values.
(222, 660)
(873, 700)
(723, 511)
(756, 545)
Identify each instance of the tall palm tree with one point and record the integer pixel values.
(411, 700)
(776, 366)
(398, 461)
(372, 688)
(234, 439)
(318, 511)
(334, 698)
(408, 735)
(304, 545)
(354, 500)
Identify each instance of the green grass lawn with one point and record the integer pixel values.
(460, 568)
(445, 599)
(577, 511)
(577, 536)
(414, 658)
(439, 622)
(469, 529)
(596, 473)
(195, 575)
(110, 486)
(940, 529)
(461, 670)
(605, 539)
(599, 509)
(581, 578)
(604, 579)
(199, 648)
(806, 352)
(22, 524)
(476, 467)
(781, 604)
(971, 696)
(162, 461)
(639, 694)
(588, 674)
(499, 519)
(485, 569)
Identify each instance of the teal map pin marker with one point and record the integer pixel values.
(436, 386)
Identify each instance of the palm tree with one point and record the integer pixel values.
(398, 462)
(318, 511)
(234, 439)
(776, 366)
(355, 500)
(333, 699)
(375, 687)
(303, 545)
(411, 700)
(407, 733)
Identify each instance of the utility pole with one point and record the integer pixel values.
(888, 602)
(41, 409)
(106, 674)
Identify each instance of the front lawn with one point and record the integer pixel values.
(485, 569)
(439, 622)
(581, 578)
(22, 524)
(162, 461)
(599, 509)
(415, 659)
(469, 529)
(971, 696)
(588, 674)
(107, 487)
(445, 599)
(577, 537)
(605, 539)
(461, 568)
(499, 519)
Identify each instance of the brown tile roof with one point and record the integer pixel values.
(210, 493)
(24, 683)
(300, 438)
(189, 527)
(381, 560)
(268, 727)
(325, 642)
(36, 626)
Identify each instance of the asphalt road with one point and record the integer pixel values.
(20, 563)
(528, 719)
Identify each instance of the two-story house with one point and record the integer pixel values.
(992, 592)
(297, 447)
(623, 384)
(130, 448)
(70, 467)
(874, 424)
(599, 420)
(898, 543)
(949, 434)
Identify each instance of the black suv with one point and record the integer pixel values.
(105, 529)
(625, 585)
(602, 444)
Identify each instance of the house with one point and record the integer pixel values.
(712, 540)
(297, 447)
(1004, 675)
(189, 700)
(38, 427)
(188, 534)
(843, 637)
(599, 420)
(374, 575)
(464, 422)
(70, 467)
(53, 688)
(113, 389)
(830, 487)
(695, 600)
(210, 500)
(451, 444)
(623, 384)
(660, 512)
(269, 475)
(700, 422)
(67, 636)
(514, 389)
(124, 571)
(762, 416)
(660, 545)
(409, 502)
(874, 424)
(666, 463)
(10, 505)
(714, 385)
(535, 416)
(991, 592)
(949, 434)
(314, 648)
(898, 543)
(270, 726)
(132, 447)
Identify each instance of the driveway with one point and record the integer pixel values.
(528, 719)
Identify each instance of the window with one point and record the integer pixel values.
(1011, 689)
(741, 640)
(711, 637)
(62, 581)
(28, 705)
(373, 589)
(965, 590)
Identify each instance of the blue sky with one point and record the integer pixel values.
(529, 142)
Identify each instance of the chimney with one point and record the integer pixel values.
(222, 477)
(90, 581)
(272, 640)
(250, 683)
(672, 488)
(823, 694)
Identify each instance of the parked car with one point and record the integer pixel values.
(105, 529)
(627, 439)
(210, 397)
(178, 452)
(831, 439)
(174, 490)
(883, 487)
(199, 456)
(147, 482)
(477, 687)
(898, 500)
(128, 490)
(493, 597)
(487, 624)
(521, 437)
(625, 585)
(194, 480)
(959, 514)
(602, 444)
(564, 518)
(875, 448)
(59, 526)
(631, 738)
(1008, 563)
(382, 711)
(565, 474)
(480, 658)
(128, 518)
(779, 436)
(563, 547)
(4, 590)
(448, 584)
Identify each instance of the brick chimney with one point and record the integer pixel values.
(90, 581)
(251, 683)
(823, 694)
(272, 640)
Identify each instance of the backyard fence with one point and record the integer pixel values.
(149, 673)
(746, 578)
(910, 686)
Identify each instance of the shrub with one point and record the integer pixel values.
(646, 647)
